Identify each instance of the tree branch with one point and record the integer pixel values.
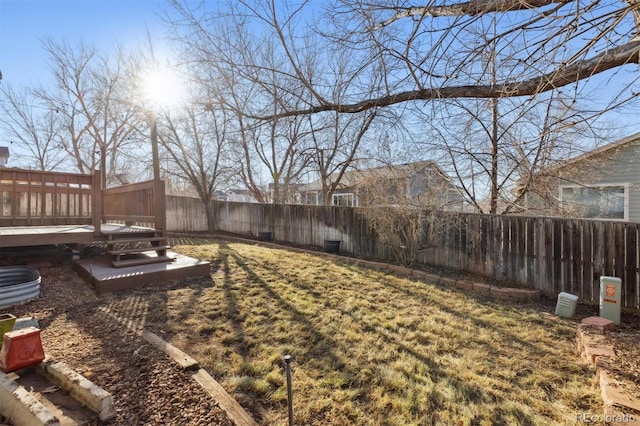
(613, 58)
(470, 8)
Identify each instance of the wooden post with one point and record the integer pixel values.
(159, 207)
(96, 202)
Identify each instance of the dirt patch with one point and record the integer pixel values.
(625, 340)
(147, 387)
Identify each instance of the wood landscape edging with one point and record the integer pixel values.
(236, 413)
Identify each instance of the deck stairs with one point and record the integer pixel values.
(141, 250)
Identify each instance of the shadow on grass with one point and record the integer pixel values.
(436, 372)
(318, 338)
(321, 347)
(327, 352)
(473, 393)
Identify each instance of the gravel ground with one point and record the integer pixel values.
(147, 386)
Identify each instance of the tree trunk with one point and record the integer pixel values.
(494, 158)
(211, 216)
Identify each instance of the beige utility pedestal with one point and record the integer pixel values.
(610, 298)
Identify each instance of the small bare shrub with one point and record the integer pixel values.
(406, 206)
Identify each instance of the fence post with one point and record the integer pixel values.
(96, 202)
(159, 206)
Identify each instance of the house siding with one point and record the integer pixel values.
(620, 165)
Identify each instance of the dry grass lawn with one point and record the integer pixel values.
(370, 348)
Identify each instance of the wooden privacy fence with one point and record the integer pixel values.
(185, 214)
(547, 254)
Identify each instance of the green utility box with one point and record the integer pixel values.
(566, 305)
(610, 298)
(6, 324)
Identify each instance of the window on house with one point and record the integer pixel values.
(312, 198)
(343, 200)
(605, 202)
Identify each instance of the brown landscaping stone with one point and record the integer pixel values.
(522, 294)
(500, 292)
(617, 402)
(420, 274)
(376, 265)
(482, 288)
(580, 338)
(617, 416)
(465, 285)
(402, 270)
(594, 339)
(599, 323)
(448, 281)
(593, 352)
(430, 278)
(613, 395)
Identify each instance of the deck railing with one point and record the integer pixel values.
(136, 204)
(36, 198)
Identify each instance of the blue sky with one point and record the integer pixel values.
(104, 23)
(24, 23)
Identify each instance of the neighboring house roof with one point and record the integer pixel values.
(352, 178)
(594, 153)
(589, 155)
(289, 186)
(240, 192)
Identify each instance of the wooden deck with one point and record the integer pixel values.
(104, 278)
(40, 208)
(21, 236)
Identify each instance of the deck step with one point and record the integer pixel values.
(137, 250)
(141, 261)
(135, 240)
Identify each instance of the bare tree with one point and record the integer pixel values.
(97, 117)
(33, 127)
(283, 150)
(271, 157)
(491, 147)
(336, 148)
(194, 142)
(273, 153)
(432, 52)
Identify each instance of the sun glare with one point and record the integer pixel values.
(163, 88)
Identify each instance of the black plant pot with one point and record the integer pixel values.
(265, 235)
(332, 246)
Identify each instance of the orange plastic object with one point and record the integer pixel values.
(20, 349)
